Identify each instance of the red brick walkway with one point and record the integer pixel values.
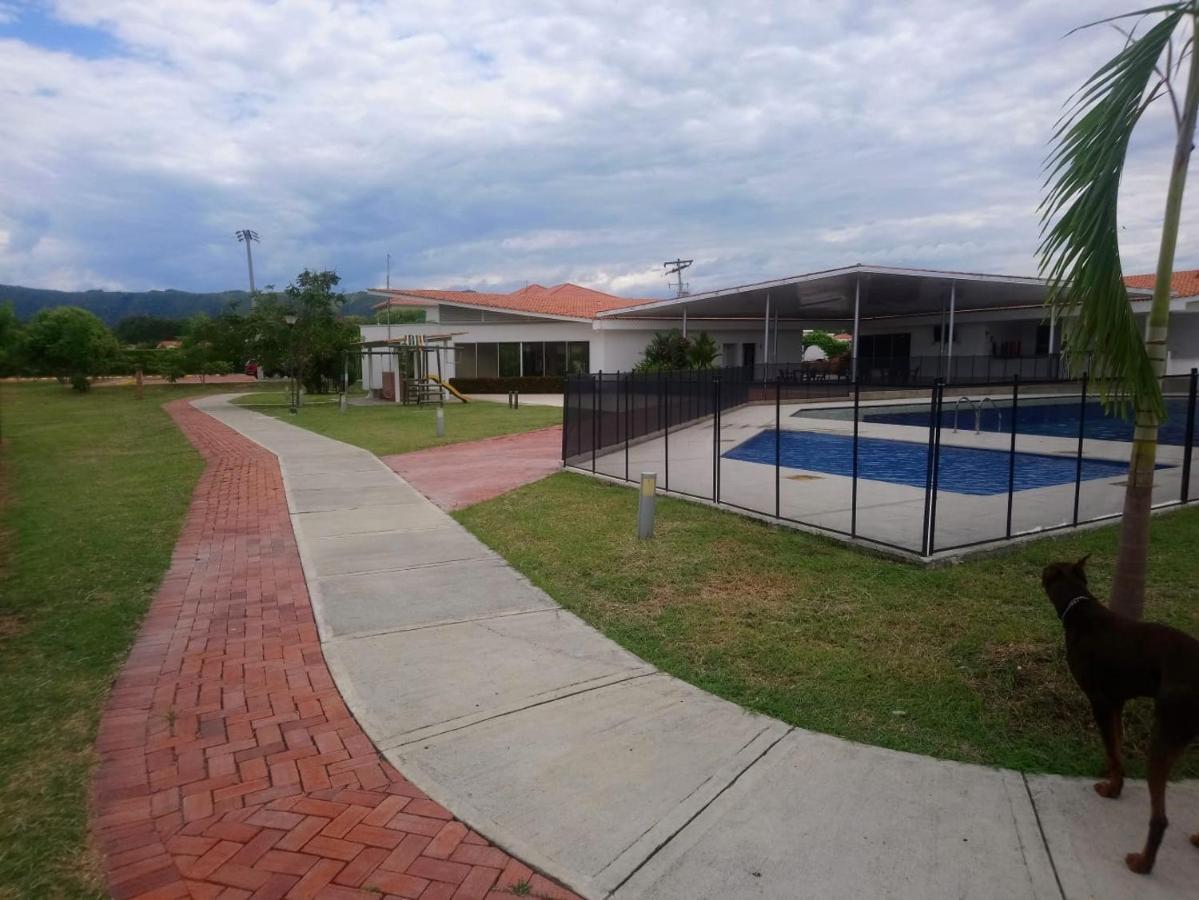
(229, 765)
(458, 475)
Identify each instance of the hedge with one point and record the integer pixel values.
(531, 384)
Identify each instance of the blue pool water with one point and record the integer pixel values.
(963, 470)
(1055, 419)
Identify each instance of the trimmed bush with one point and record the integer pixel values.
(533, 384)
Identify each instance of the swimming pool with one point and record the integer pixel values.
(1055, 418)
(963, 470)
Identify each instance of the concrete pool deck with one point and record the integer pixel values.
(624, 782)
(889, 513)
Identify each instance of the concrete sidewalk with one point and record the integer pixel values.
(622, 781)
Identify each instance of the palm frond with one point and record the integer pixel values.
(1079, 251)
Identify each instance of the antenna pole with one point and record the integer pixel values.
(676, 267)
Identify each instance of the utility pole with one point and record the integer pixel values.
(675, 267)
(247, 237)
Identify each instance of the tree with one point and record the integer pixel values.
(832, 347)
(70, 343)
(1080, 254)
(10, 339)
(398, 316)
(665, 352)
(147, 331)
(315, 345)
(703, 352)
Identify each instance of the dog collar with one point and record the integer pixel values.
(1070, 606)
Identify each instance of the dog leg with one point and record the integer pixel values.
(1109, 717)
(1161, 760)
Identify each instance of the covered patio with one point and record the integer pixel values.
(908, 326)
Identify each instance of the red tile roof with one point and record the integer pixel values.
(1185, 283)
(560, 300)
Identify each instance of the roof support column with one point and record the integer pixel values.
(1052, 329)
(857, 302)
(684, 320)
(953, 297)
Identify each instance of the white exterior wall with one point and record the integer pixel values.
(1183, 343)
(622, 343)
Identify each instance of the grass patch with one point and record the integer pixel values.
(95, 488)
(388, 429)
(964, 662)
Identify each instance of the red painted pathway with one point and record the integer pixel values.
(458, 475)
(230, 767)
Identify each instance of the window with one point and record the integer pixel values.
(488, 361)
(1042, 340)
(464, 361)
(532, 358)
(884, 346)
(555, 358)
(509, 360)
(578, 356)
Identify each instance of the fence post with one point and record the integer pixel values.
(932, 519)
(595, 389)
(1082, 423)
(716, 439)
(1188, 441)
(933, 418)
(565, 417)
(628, 421)
(778, 441)
(853, 505)
(666, 435)
(1011, 462)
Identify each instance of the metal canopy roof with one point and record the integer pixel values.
(829, 295)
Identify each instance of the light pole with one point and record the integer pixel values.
(247, 237)
(293, 390)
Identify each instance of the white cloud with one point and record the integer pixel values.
(492, 143)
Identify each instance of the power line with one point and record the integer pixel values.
(675, 267)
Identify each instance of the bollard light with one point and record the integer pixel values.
(440, 422)
(646, 504)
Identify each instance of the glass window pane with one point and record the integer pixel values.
(532, 358)
(555, 358)
(509, 360)
(579, 355)
(464, 361)
(488, 366)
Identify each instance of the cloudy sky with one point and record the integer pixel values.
(485, 144)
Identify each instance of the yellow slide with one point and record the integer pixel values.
(449, 387)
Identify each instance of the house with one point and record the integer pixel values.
(903, 323)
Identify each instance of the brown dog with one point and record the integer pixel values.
(1114, 659)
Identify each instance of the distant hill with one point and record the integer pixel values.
(112, 306)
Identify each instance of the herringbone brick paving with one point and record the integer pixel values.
(229, 765)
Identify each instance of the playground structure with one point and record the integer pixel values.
(405, 370)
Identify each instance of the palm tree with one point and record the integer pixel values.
(703, 352)
(1080, 254)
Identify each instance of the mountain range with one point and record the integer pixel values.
(112, 306)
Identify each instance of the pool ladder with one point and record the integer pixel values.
(977, 405)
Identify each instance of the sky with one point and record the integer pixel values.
(487, 145)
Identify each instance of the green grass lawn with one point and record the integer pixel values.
(94, 491)
(964, 662)
(385, 429)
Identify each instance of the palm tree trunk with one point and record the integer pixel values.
(1128, 588)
